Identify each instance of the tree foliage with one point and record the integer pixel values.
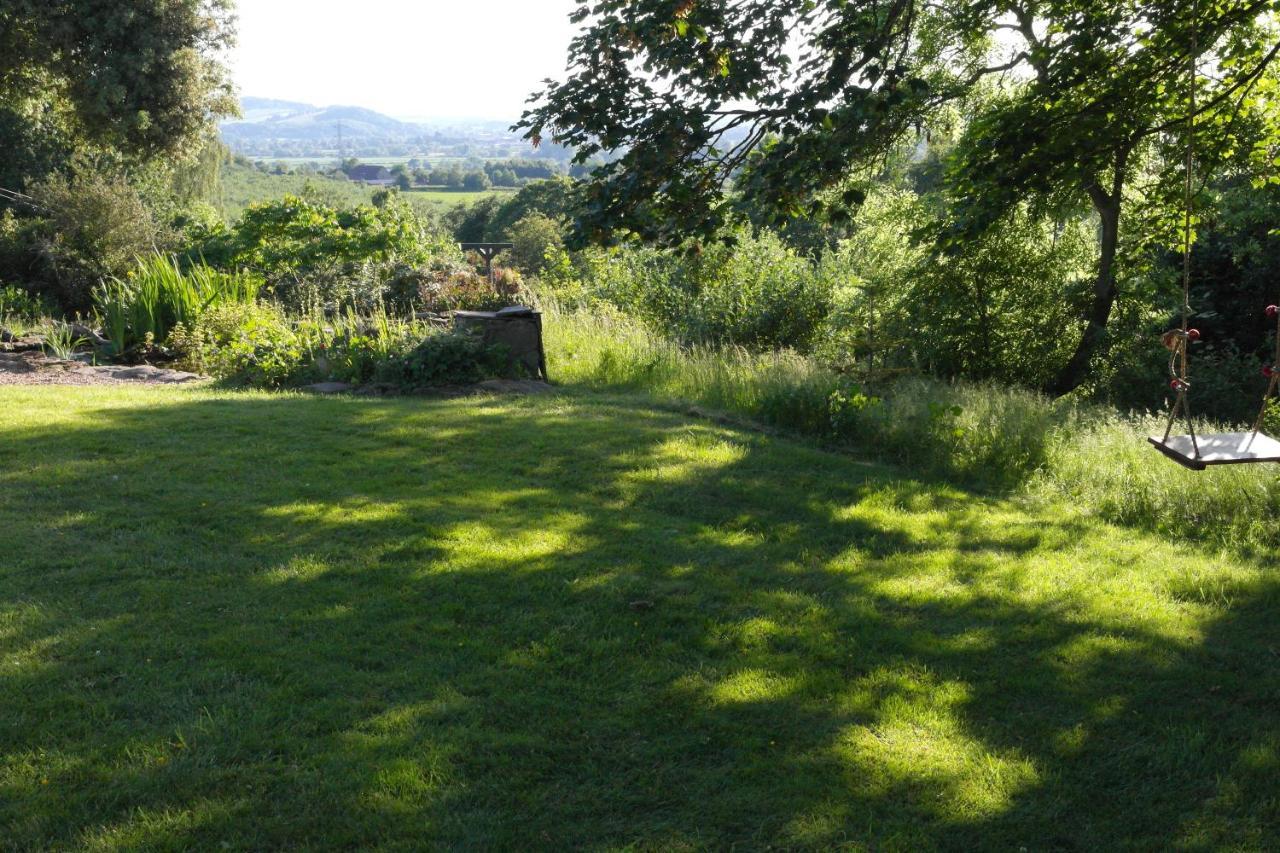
(1067, 101)
(141, 76)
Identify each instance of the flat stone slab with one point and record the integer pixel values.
(23, 345)
(141, 373)
(36, 368)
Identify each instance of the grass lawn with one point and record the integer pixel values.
(241, 621)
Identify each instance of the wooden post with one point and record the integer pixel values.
(488, 251)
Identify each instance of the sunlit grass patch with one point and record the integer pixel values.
(276, 621)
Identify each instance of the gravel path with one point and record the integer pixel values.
(32, 368)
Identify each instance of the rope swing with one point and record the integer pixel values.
(1190, 450)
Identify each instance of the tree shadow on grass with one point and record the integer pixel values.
(546, 623)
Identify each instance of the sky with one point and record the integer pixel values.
(411, 59)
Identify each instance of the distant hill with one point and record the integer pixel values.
(260, 109)
(274, 128)
(266, 118)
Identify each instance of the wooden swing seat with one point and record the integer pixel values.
(1219, 448)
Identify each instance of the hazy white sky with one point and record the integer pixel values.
(406, 58)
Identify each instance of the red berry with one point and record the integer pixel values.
(1272, 311)
(1193, 334)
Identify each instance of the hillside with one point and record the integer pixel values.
(274, 128)
(270, 119)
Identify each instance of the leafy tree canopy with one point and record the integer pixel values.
(790, 101)
(804, 92)
(138, 77)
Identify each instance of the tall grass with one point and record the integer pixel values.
(159, 294)
(1104, 464)
(975, 433)
(983, 436)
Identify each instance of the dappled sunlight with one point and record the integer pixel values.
(164, 827)
(501, 613)
(417, 768)
(917, 747)
(350, 512)
(682, 458)
(753, 685)
(299, 568)
(480, 545)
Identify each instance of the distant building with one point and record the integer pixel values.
(376, 176)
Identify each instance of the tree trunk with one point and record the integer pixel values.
(1104, 286)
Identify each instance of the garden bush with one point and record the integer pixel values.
(449, 358)
(251, 343)
(158, 294)
(20, 307)
(753, 291)
(317, 257)
(459, 287)
(533, 238)
(94, 227)
(257, 344)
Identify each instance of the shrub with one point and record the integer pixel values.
(354, 349)
(460, 288)
(20, 306)
(869, 274)
(245, 343)
(95, 227)
(259, 345)
(21, 262)
(314, 256)
(534, 237)
(158, 294)
(1007, 308)
(449, 358)
(756, 293)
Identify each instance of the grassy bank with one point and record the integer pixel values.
(988, 437)
(268, 621)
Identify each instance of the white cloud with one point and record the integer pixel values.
(430, 58)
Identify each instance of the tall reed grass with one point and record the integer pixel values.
(983, 436)
(159, 294)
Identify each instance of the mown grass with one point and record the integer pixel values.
(999, 440)
(250, 621)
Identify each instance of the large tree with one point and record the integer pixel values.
(137, 78)
(789, 99)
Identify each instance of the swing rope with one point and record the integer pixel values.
(1179, 341)
(1272, 371)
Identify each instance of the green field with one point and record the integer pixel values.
(447, 198)
(249, 621)
(242, 186)
(434, 160)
